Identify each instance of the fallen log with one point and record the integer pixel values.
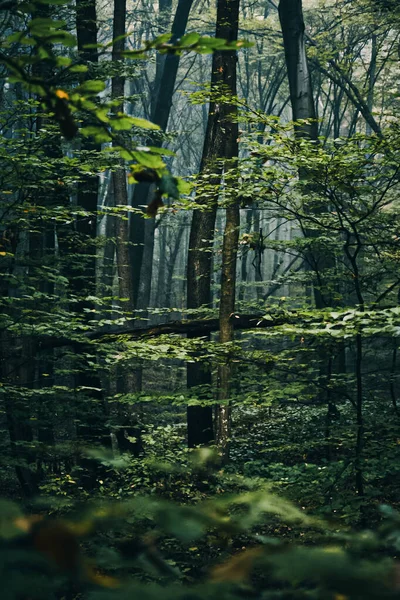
(195, 327)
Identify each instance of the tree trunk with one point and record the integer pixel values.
(229, 247)
(226, 328)
(371, 81)
(88, 187)
(360, 419)
(171, 266)
(16, 368)
(107, 271)
(219, 143)
(90, 408)
(301, 98)
(244, 258)
(142, 192)
(119, 175)
(162, 249)
(129, 379)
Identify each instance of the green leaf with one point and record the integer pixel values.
(92, 86)
(102, 115)
(61, 37)
(211, 41)
(123, 152)
(184, 187)
(183, 522)
(92, 46)
(163, 151)
(107, 458)
(144, 123)
(240, 44)
(78, 69)
(45, 24)
(63, 61)
(121, 123)
(98, 133)
(17, 36)
(152, 161)
(204, 49)
(189, 39)
(161, 39)
(124, 122)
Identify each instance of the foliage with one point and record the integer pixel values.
(93, 423)
(127, 542)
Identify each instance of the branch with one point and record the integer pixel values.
(351, 91)
(200, 327)
(196, 327)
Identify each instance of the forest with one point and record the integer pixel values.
(200, 299)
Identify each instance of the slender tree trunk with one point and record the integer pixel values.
(171, 265)
(129, 380)
(220, 143)
(301, 98)
(258, 256)
(392, 381)
(360, 419)
(226, 331)
(371, 81)
(42, 252)
(293, 31)
(256, 262)
(303, 108)
(162, 249)
(244, 259)
(107, 271)
(163, 21)
(352, 249)
(119, 175)
(90, 408)
(88, 187)
(16, 365)
(142, 231)
(230, 245)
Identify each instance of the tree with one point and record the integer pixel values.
(220, 144)
(142, 248)
(311, 384)
(119, 175)
(301, 95)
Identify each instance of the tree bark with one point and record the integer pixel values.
(230, 245)
(17, 368)
(226, 326)
(119, 175)
(358, 467)
(171, 266)
(139, 228)
(287, 14)
(88, 187)
(219, 144)
(301, 98)
(303, 108)
(91, 414)
(244, 258)
(129, 380)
